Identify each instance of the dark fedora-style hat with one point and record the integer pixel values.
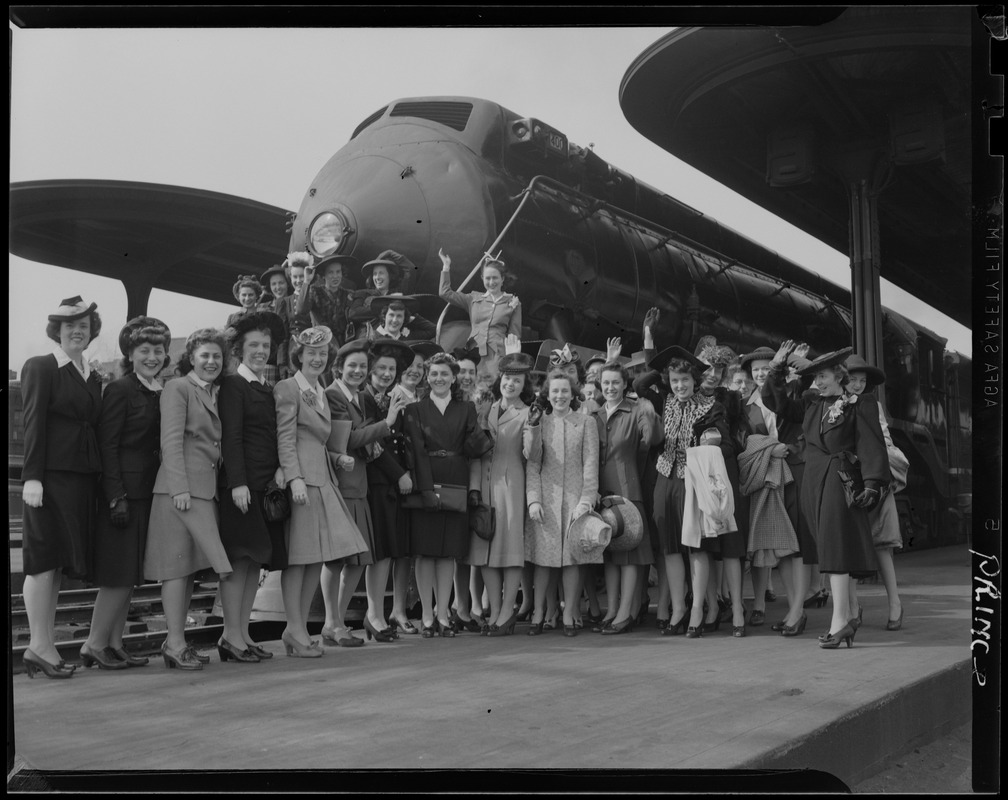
(354, 346)
(625, 520)
(143, 328)
(254, 321)
(346, 262)
(390, 260)
(515, 364)
(425, 348)
(72, 308)
(874, 375)
(759, 354)
(827, 360)
(276, 269)
(396, 348)
(661, 359)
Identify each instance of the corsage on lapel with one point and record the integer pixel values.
(836, 411)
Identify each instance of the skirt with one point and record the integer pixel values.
(119, 552)
(181, 543)
(361, 515)
(641, 555)
(59, 534)
(322, 530)
(884, 521)
(251, 535)
(439, 534)
(669, 504)
(388, 522)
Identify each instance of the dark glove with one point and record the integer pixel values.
(535, 414)
(475, 498)
(430, 500)
(868, 499)
(651, 319)
(120, 513)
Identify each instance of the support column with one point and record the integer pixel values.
(137, 295)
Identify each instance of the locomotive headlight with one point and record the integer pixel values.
(327, 232)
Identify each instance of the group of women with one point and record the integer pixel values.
(152, 482)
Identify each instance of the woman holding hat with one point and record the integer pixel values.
(326, 297)
(276, 281)
(442, 437)
(502, 474)
(493, 314)
(363, 445)
(129, 434)
(837, 426)
(250, 466)
(561, 485)
(62, 404)
(183, 537)
(247, 290)
(884, 518)
(626, 434)
(320, 529)
(689, 419)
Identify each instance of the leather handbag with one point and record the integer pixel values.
(483, 521)
(451, 497)
(850, 477)
(276, 503)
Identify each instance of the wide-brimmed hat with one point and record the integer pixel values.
(827, 360)
(247, 280)
(377, 301)
(589, 535)
(714, 354)
(353, 346)
(874, 375)
(759, 354)
(389, 259)
(276, 269)
(396, 348)
(257, 320)
(424, 348)
(661, 359)
(316, 336)
(625, 520)
(72, 308)
(598, 357)
(798, 362)
(515, 364)
(344, 261)
(143, 329)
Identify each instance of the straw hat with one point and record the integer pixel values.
(72, 308)
(589, 535)
(625, 520)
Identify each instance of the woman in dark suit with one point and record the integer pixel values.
(129, 436)
(62, 404)
(250, 464)
(183, 537)
(442, 436)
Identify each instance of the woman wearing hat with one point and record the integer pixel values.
(884, 518)
(773, 413)
(62, 402)
(129, 434)
(838, 425)
(247, 290)
(250, 465)
(689, 419)
(502, 475)
(326, 297)
(276, 281)
(363, 445)
(294, 267)
(368, 307)
(561, 485)
(320, 529)
(442, 436)
(493, 314)
(183, 537)
(626, 434)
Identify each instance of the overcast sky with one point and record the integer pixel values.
(256, 113)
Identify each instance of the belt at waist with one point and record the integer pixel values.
(443, 453)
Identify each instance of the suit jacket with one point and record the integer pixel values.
(61, 412)
(249, 438)
(302, 431)
(190, 440)
(490, 321)
(392, 464)
(129, 437)
(625, 438)
(364, 431)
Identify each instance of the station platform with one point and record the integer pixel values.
(637, 702)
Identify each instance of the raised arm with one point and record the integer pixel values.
(445, 291)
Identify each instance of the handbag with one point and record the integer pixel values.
(483, 521)
(452, 497)
(850, 476)
(276, 504)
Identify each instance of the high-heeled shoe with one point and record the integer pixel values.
(184, 659)
(34, 663)
(551, 623)
(340, 637)
(770, 595)
(428, 632)
(526, 615)
(197, 655)
(713, 625)
(570, 630)
(602, 624)
(619, 627)
(778, 626)
(104, 658)
(505, 629)
(818, 600)
(832, 642)
(725, 612)
(130, 659)
(228, 652)
(661, 624)
(536, 629)
(295, 649)
(458, 624)
(259, 651)
(895, 624)
(676, 628)
(797, 629)
(738, 631)
(641, 614)
(594, 619)
(757, 617)
(406, 627)
(694, 631)
(371, 632)
(445, 629)
(860, 613)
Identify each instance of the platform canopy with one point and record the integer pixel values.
(183, 240)
(788, 116)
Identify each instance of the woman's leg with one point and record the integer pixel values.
(175, 594)
(444, 571)
(41, 610)
(107, 619)
(855, 606)
(760, 577)
(309, 586)
(840, 591)
(248, 601)
(232, 593)
(675, 578)
(700, 567)
(733, 576)
(664, 601)
(552, 596)
(794, 575)
(475, 592)
(375, 583)
(494, 580)
(425, 574)
(291, 580)
(589, 579)
(350, 577)
(330, 578)
(463, 602)
(543, 578)
(115, 640)
(571, 574)
(887, 569)
(628, 597)
(509, 592)
(527, 590)
(400, 583)
(612, 590)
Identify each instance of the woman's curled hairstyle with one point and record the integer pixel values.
(53, 327)
(557, 373)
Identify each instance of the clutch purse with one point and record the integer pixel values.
(276, 504)
(850, 477)
(453, 498)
